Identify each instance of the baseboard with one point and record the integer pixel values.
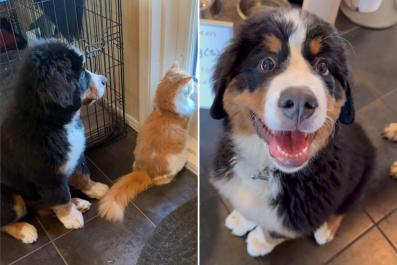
(133, 123)
(192, 168)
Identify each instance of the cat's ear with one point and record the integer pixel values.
(185, 81)
(175, 65)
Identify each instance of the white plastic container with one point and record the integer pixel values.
(363, 6)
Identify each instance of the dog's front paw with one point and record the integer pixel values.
(81, 205)
(393, 170)
(98, 191)
(390, 132)
(74, 220)
(323, 235)
(238, 224)
(257, 244)
(29, 234)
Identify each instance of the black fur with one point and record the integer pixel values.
(8, 214)
(333, 182)
(34, 144)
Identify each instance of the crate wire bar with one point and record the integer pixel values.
(95, 27)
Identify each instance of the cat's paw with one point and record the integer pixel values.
(74, 220)
(238, 224)
(257, 244)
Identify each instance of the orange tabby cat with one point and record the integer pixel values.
(161, 150)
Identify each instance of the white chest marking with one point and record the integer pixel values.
(76, 139)
(252, 198)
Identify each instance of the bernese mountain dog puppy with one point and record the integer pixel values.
(289, 160)
(390, 133)
(43, 141)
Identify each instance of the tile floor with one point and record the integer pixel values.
(369, 235)
(101, 242)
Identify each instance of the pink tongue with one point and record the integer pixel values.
(290, 141)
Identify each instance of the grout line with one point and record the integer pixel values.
(224, 204)
(385, 216)
(350, 244)
(99, 169)
(209, 197)
(388, 240)
(377, 225)
(387, 106)
(59, 253)
(370, 88)
(92, 218)
(391, 91)
(51, 241)
(143, 214)
(349, 30)
(70, 230)
(30, 252)
(112, 183)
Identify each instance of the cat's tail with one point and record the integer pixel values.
(112, 206)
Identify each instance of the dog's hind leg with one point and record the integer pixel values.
(23, 231)
(327, 231)
(13, 208)
(80, 179)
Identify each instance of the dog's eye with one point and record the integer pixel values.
(322, 67)
(267, 64)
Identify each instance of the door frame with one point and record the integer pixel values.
(167, 33)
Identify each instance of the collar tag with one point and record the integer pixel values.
(263, 175)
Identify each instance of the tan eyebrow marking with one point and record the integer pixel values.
(315, 46)
(273, 43)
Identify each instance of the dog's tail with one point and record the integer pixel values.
(112, 206)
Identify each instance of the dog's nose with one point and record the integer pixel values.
(104, 80)
(298, 104)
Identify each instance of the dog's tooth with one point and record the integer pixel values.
(305, 150)
(300, 154)
(279, 149)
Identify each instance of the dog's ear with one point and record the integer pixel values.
(76, 59)
(347, 113)
(217, 112)
(220, 79)
(57, 69)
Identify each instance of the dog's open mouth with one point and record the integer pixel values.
(288, 148)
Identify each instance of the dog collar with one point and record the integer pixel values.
(263, 175)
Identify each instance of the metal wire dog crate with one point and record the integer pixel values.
(95, 27)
